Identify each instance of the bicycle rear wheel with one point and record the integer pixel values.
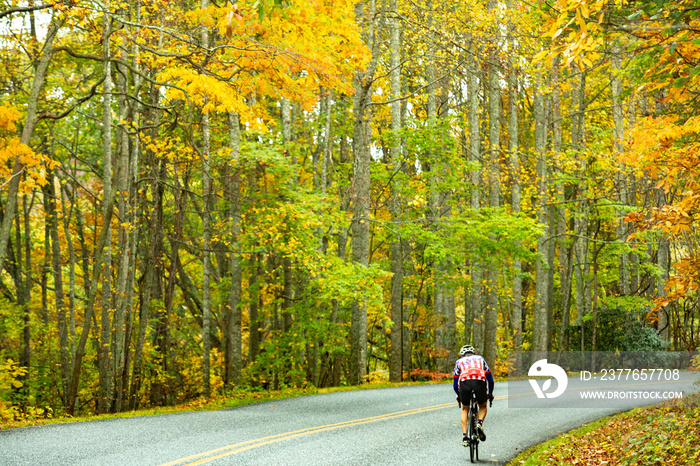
(473, 441)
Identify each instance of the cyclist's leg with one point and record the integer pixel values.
(465, 417)
(465, 394)
(482, 412)
(481, 397)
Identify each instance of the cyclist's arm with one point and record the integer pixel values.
(455, 378)
(489, 378)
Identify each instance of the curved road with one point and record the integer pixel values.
(407, 425)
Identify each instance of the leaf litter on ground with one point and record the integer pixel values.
(668, 433)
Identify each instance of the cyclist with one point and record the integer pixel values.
(471, 374)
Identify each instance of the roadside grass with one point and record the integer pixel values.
(667, 433)
(232, 399)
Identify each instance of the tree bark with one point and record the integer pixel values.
(104, 359)
(362, 81)
(89, 310)
(206, 243)
(540, 320)
(516, 314)
(27, 132)
(475, 317)
(580, 245)
(126, 174)
(491, 316)
(395, 366)
(620, 178)
(51, 220)
(253, 309)
(234, 355)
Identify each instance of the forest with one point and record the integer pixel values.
(200, 197)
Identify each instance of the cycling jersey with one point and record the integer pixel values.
(472, 367)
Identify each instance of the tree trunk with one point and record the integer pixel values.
(89, 309)
(540, 320)
(444, 335)
(152, 265)
(104, 404)
(580, 245)
(563, 241)
(663, 259)
(491, 316)
(126, 261)
(620, 178)
(27, 131)
(206, 244)
(475, 318)
(516, 314)
(234, 356)
(71, 262)
(51, 220)
(25, 291)
(362, 81)
(253, 314)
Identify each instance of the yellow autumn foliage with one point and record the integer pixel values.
(34, 165)
(288, 52)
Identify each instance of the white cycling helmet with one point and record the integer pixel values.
(466, 349)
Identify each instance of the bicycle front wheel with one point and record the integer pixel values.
(473, 442)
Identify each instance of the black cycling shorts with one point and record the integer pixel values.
(467, 386)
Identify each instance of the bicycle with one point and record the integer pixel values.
(472, 434)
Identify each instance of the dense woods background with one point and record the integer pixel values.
(203, 197)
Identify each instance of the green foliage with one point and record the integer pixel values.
(10, 375)
(621, 328)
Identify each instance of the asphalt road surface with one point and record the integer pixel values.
(409, 425)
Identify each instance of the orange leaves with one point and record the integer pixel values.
(230, 21)
(660, 434)
(670, 153)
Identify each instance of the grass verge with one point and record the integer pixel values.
(667, 433)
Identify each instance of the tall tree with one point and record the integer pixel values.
(494, 170)
(516, 314)
(474, 317)
(105, 363)
(234, 356)
(618, 151)
(30, 122)
(395, 366)
(371, 22)
(540, 320)
(206, 240)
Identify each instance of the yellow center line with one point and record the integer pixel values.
(249, 444)
(211, 455)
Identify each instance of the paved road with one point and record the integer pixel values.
(409, 425)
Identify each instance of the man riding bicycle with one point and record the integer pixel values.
(470, 375)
